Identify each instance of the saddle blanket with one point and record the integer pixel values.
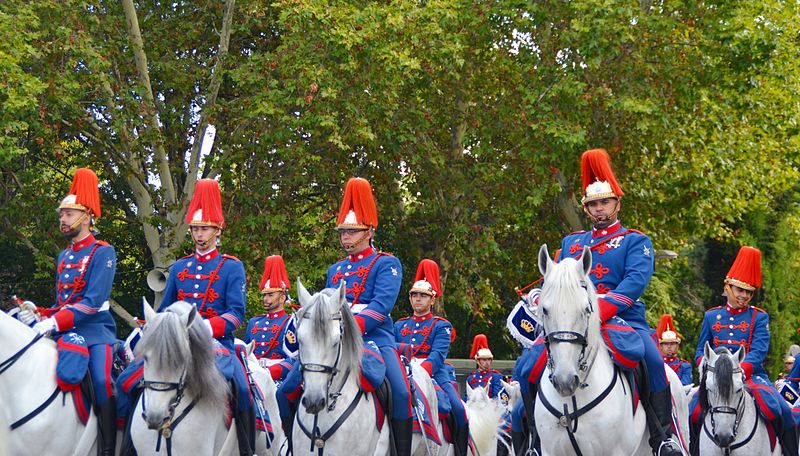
(71, 367)
(422, 415)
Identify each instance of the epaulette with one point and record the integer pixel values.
(230, 257)
(496, 372)
(382, 253)
(577, 232)
(714, 308)
(185, 257)
(103, 243)
(403, 319)
(437, 318)
(758, 309)
(636, 231)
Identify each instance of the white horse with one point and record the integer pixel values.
(184, 407)
(485, 420)
(584, 404)
(335, 416)
(266, 387)
(27, 381)
(731, 423)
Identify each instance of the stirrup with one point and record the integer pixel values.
(667, 447)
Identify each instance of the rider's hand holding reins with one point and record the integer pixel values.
(45, 326)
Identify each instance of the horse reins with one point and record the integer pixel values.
(170, 422)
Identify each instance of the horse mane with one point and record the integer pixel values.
(172, 347)
(324, 305)
(562, 286)
(723, 377)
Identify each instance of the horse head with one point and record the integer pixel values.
(179, 359)
(722, 392)
(329, 345)
(566, 311)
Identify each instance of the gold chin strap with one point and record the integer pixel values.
(79, 221)
(594, 220)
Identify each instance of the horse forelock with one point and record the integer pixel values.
(723, 377)
(320, 312)
(564, 287)
(164, 343)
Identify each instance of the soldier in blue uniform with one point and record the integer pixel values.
(484, 376)
(372, 279)
(622, 265)
(84, 278)
(736, 325)
(428, 337)
(268, 330)
(669, 341)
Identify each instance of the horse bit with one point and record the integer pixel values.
(724, 409)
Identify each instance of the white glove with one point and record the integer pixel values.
(263, 363)
(45, 326)
(26, 316)
(28, 305)
(210, 329)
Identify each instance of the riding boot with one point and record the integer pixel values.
(107, 427)
(402, 436)
(694, 438)
(245, 431)
(502, 447)
(287, 425)
(519, 443)
(461, 440)
(661, 426)
(788, 440)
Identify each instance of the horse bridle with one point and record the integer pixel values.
(331, 371)
(572, 337)
(169, 423)
(316, 437)
(738, 411)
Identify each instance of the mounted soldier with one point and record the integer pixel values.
(736, 325)
(81, 314)
(268, 330)
(484, 376)
(372, 279)
(669, 341)
(428, 337)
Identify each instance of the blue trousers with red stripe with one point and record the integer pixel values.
(101, 358)
(653, 360)
(456, 406)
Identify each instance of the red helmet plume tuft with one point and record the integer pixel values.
(598, 178)
(746, 269)
(84, 194)
(274, 277)
(358, 208)
(206, 206)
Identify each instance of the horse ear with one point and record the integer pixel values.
(545, 262)
(342, 293)
(249, 348)
(302, 294)
(708, 353)
(191, 316)
(586, 260)
(148, 311)
(740, 354)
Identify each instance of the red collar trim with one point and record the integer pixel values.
(606, 231)
(82, 244)
(738, 311)
(208, 256)
(361, 255)
(277, 314)
(670, 360)
(425, 317)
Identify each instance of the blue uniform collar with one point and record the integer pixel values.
(606, 231)
(83, 243)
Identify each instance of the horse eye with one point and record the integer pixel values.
(544, 311)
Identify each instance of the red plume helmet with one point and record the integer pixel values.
(358, 210)
(274, 277)
(666, 330)
(480, 347)
(746, 270)
(84, 194)
(427, 278)
(206, 206)
(598, 178)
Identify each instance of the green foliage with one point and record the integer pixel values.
(462, 115)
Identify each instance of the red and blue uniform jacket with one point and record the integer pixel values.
(373, 282)
(681, 367)
(426, 337)
(746, 327)
(794, 376)
(489, 379)
(216, 285)
(84, 278)
(268, 331)
(622, 265)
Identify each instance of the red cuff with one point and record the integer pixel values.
(607, 310)
(217, 326)
(65, 320)
(747, 368)
(275, 371)
(428, 367)
(360, 323)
